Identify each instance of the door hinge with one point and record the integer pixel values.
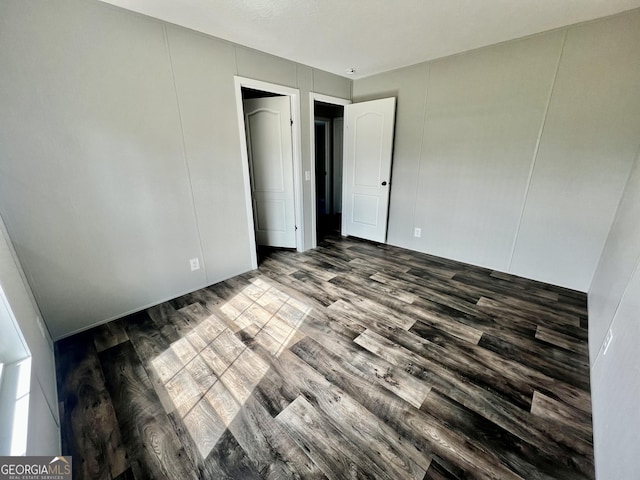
(291, 120)
(296, 228)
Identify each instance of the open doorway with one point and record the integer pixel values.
(327, 124)
(366, 166)
(267, 122)
(268, 118)
(328, 127)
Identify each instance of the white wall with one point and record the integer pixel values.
(120, 155)
(589, 143)
(514, 156)
(614, 303)
(617, 264)
(43, 435)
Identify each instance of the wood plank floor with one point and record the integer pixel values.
(354, 360)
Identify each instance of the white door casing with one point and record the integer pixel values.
(368, 145)
(270, 154)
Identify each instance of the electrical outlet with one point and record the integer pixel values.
(195, 264)
(307, 175)
(417, 232)
(607, 342)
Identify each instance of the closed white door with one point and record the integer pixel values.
(368, 144)
(270, 151)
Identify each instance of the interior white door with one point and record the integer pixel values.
(270, 152)
(368, 144)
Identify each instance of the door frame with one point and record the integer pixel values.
(341, 102)
(294, 99)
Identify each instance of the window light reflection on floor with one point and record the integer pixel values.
(209, 374)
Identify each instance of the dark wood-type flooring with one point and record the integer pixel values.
(354, 360)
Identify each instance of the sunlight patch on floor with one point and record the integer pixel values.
(210, 373)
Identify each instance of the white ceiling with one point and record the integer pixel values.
(372, 36)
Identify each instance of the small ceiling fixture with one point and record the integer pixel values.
(351, 71)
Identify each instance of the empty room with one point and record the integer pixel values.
(338, 239)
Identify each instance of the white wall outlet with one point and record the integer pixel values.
(195, 264)
(607, 342)
(417, 232)
(307, 175)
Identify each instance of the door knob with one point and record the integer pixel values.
(384, 183)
